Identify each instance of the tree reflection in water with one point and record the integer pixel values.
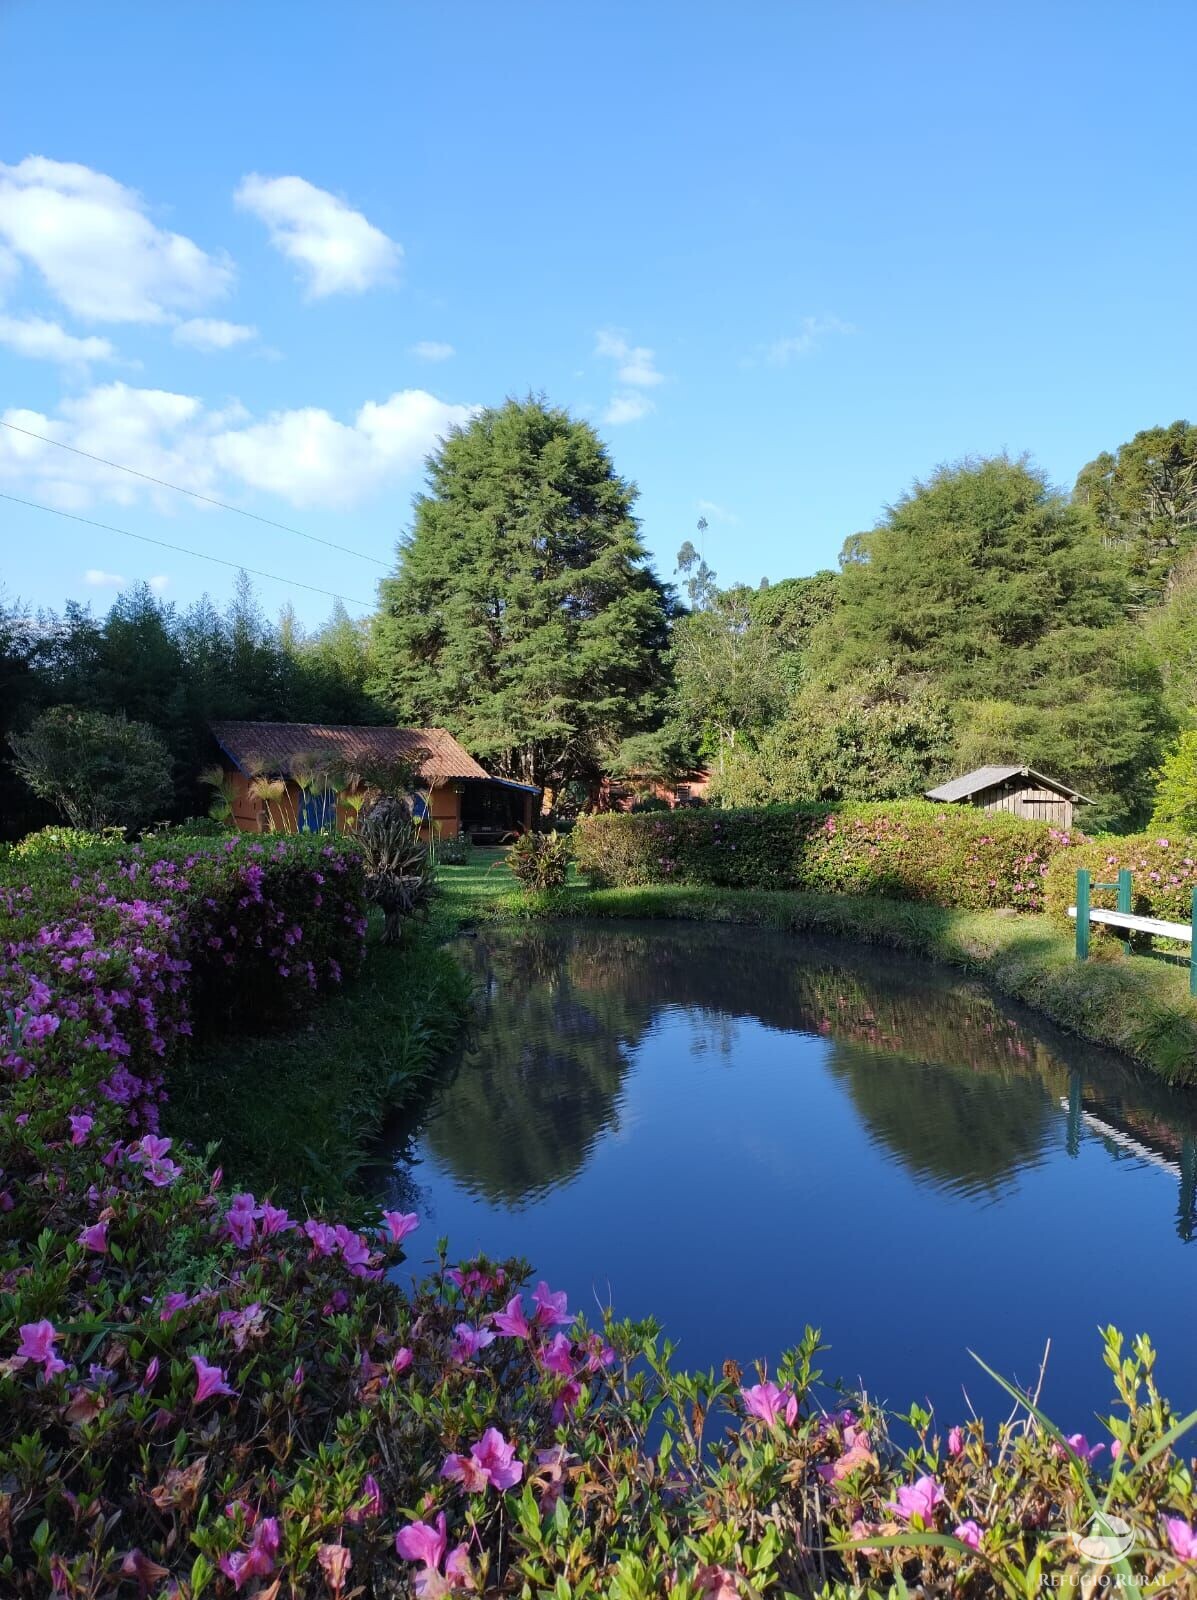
(963, 1090)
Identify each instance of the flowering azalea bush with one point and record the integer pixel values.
(952, 856)
(1163, 870)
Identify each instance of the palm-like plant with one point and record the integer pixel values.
(400, 873)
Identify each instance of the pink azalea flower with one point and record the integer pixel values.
(956, 1442)
(918, 1499)
(491, 1461)
(558, 1356)
(468, 1341)
(550, 1307)
(458, 1573)
(37, 1344)
(401, 1360)
(422, 1541)
(770, 1404)
(335, 1562)
(258, 1560)
(1182, 1538)
(398, 1224)
(370, 1504)
(968, 1533)
(512, 1321)
(81, 1126)
(1081, 1447)
(95, 1237)
(209, 1380)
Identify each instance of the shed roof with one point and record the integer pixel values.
(980, 778)
(279, 747)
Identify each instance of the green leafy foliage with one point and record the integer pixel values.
(524, 615)
(97, 771)
(948, 856)
(540, 860)
(877, 736)
(1144, 497)
(1176, 787)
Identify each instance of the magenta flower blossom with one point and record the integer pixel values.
(550, 1307)
(1182, 1538)
(37, 1344)
(918, 1499)
(209, 1380)
(81, 1126)
(95, 1237)
(468, 1341)
(398, 1224)
(770, 1404)
(401, 1360)
(1081, 1447)
(370, 1504)
(491, 1461)
(969, 1533)
(512, 1321)
(558, 1356)
(423, 1541)
(258, 1560)
(956, 1441)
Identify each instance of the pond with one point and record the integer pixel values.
(741, 1132)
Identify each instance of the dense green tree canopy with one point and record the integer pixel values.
(97, 771)
(524, 615)
(728, 671)
(1144, 496)
(1007, 597)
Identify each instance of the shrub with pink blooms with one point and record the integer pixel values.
(1163, 870)
(952, 856)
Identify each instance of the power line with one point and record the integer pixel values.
(194, 493)
(200, 555)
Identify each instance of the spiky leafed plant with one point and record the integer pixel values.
(400, 873)
(217, 779)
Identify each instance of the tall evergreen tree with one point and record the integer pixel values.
(1144, 497)
(524, 615)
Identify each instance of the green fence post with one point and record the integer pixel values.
(1082, 913)
(1192, 951)
(1124, 890)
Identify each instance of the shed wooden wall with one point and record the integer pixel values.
(1025, 799)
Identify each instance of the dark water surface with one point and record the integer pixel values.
(740, 1132)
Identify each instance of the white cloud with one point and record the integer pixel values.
(97, 578)
(628, 407)
(336, 248)
(636, 364)
(307, 456)
(96, 248)
(714, 512)
(159, 583)
(210, 333)
(433, 350)
(42, 340)
(811, 333)
(311, 458)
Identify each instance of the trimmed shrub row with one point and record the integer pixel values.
(1164, 869)
(952, 856)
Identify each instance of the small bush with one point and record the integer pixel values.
(62, 841)
(540, 860)
(1163, 868)
(96, 770)
(454, 851)
(952, 856)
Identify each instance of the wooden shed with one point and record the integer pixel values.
(1019, 790)
(457, 794)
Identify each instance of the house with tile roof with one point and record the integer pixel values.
(284, 767)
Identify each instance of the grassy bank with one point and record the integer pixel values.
(1137, 1004)
(295, 1112)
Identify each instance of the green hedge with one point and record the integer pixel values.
(951, 856)
(1163, 865)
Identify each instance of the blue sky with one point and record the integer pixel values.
(786, 257)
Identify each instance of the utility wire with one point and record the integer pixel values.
(194, 493)
(201, 555)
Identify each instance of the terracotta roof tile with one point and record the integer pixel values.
(277, 747)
